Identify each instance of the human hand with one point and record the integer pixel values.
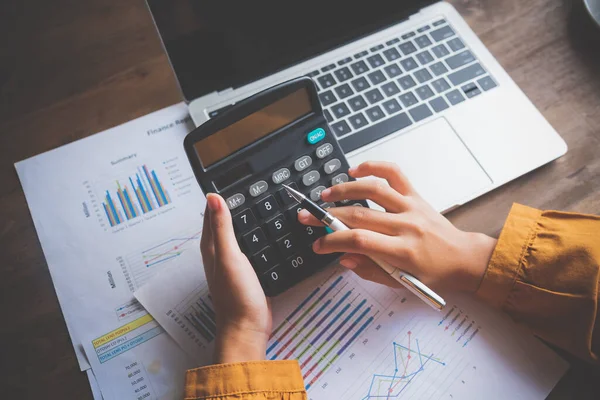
(242, 311)
(410, 235)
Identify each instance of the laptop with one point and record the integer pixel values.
(401, 81)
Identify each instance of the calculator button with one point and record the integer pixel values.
(295, 263)
(276, 279)
(287, 245)
(244, 220)
(258, 188)
(315, 194)
(255, 240)
(327, 205)
(324, 150)
(292, 214)
(311, 178)
(286, 198)
(315, 135)
(302, 163)
(265, 259)
(277, 226)
(332, 165)
(281, 175)
(341, 178)
(267, 207)
(235, 201)
(311, 233)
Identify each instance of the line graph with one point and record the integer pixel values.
(141, 265)
(405, 370)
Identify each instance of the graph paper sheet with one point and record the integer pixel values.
(110, 211)
(357, 340)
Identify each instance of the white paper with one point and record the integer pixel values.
(96, 267)
(358, 340)
(137, 360)
(96, 393)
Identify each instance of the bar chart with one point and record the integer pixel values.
(323, 327)
(195, 316)
(138, 194)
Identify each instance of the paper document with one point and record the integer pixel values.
(110, 211)
(138, 360)
(358, 340)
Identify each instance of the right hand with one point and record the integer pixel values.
(410, 235)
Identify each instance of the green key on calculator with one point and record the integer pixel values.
(245, 154)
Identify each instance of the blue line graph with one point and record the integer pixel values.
(409, 362)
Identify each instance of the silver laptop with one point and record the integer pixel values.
(402, 81)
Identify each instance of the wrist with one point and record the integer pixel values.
(478, 249)
(237, 344)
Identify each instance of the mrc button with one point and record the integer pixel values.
(315, 135)
(281, 175)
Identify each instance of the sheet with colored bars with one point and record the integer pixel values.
(137, 360)
(354, 339)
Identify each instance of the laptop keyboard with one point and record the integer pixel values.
(397, 83)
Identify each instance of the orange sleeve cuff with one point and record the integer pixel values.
(239, 379)
(517, 235)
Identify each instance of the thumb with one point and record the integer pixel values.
(221, 225)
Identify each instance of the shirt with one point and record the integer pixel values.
(544, 272)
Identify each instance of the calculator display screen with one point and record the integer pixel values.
(253, 127)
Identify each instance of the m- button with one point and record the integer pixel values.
(302, 163)
(258, 188)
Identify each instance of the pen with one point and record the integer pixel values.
(414, 285)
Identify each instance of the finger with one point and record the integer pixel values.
(206, 241)
(306, 218)
(372, 189)
(358, 217)
(364, 267)
(221, 226)
(389, 171)
(361, 241)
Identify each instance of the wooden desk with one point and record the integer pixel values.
(69, 69)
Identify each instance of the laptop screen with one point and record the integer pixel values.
(218, 44)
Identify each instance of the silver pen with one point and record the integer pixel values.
(417, 287)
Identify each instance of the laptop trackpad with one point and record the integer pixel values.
(436, 161)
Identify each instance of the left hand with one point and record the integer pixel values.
(243, 312)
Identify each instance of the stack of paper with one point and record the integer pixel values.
(119, 216)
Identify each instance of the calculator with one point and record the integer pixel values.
(277, 136)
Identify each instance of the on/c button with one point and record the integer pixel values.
(315, 136)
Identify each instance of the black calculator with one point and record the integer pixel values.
(277, 136)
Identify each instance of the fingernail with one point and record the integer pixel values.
(348, 263)
(213, 202)
(352, 170)
(316, 245)
(303, 215)
(325, 193)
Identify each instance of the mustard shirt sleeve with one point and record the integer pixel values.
(256, 380)
(545, 273)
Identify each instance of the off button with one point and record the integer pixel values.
(315, 136)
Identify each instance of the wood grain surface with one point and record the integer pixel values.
(70, 68)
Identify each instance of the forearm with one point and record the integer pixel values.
(545, 273)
